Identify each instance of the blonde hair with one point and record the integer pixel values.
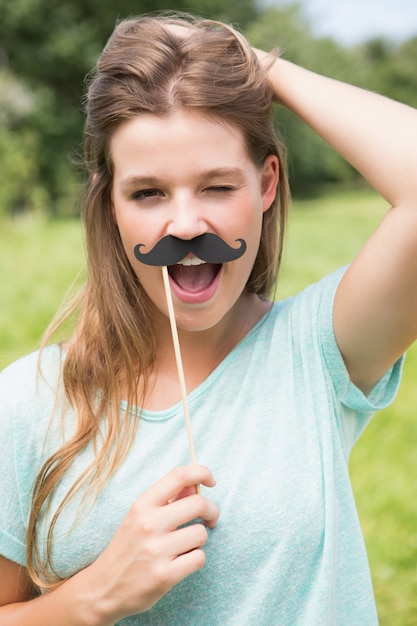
(147, 66)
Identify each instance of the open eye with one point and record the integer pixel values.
(144, 194)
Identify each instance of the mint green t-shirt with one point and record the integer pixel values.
(275, 422)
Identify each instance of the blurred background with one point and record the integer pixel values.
(47, 47)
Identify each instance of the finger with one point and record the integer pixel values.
(175, 481)
(184, 493)
(183, 540)
(187, 509)
(186, 564)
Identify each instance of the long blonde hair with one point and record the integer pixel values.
(146, 67)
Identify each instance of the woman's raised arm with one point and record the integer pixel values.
(375, 313)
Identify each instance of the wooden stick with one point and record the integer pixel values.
(178, 358)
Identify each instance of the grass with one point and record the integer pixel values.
(38, 261)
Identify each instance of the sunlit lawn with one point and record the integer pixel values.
(38, 261)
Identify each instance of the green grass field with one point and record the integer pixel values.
(39, 261)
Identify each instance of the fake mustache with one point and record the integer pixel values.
(207, 247)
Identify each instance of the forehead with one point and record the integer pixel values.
(183, 139)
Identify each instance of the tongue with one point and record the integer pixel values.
(194, 278)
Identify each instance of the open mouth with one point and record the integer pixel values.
(194, 275)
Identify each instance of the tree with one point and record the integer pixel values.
(393, 68)
(50, 45)
(18, 169)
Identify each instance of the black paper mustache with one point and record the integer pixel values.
(207, 247)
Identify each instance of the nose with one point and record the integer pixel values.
(186, 217)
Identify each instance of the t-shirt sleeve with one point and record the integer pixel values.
(12, 523)
(358, 408)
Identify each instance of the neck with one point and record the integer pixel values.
(201, 351)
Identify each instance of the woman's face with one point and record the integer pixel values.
(185, 175)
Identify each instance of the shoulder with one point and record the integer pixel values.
(31, 392)
(296, 326)
(312, 306)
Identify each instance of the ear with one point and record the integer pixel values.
(270, 178)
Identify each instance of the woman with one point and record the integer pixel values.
(103, 523)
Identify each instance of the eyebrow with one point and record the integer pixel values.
(233, 173)
(139, 181)
(222, 172)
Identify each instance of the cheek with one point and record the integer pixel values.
(129, 240)
(253, 237)
(128, 247)
(150, 279)
(254, 230)
(129, 235)
(137, 229)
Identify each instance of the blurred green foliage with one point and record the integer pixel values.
(47, 47)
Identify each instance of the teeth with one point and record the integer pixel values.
(191, 260)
